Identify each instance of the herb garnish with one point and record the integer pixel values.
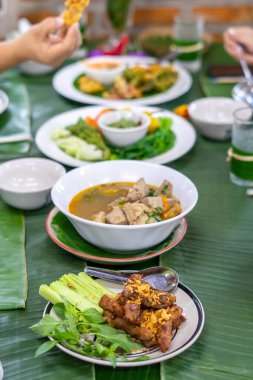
(84, 332)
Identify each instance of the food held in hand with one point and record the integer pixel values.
(148, 315)
(126, 203)
(74, 10)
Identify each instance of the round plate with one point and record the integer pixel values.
(89, 252)
(4, 101)
(183, 338)
(184, 131)
(64, 79)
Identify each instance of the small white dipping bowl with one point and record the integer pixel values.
(213, 116)
(26, 183)
(94, 69)
(123, 136)
(115, 238)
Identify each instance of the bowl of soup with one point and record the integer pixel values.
(124, 206)
(103, 69)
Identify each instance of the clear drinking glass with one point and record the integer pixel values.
(118, 12)
(241, 153)
(188, 34)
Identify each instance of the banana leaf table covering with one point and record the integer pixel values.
(215, 259)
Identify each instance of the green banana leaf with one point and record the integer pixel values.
(67, 235)
(13, 276)
(16, 119)
(215, 261)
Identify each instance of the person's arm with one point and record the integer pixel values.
(49, 42)
(243, 36)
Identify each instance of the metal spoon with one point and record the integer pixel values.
(161, 278)
(245, 67)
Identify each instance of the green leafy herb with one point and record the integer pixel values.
(122, 202)
(151, 193)
(78, 333)
(159, 209)
(151, 145)
(164, 189)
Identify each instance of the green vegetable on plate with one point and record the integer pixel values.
(77, 322)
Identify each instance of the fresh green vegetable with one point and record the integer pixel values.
(79, 324)
(81, 291)
(89, 134)
(86, 143)
(151, 145)
(79, 149)
(84, 332)
(124, 123)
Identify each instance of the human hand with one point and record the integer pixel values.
(239, 36)
(49, 42)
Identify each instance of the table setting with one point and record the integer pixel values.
(122, 253)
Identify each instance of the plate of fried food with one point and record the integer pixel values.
(136, 80)
(120, 326)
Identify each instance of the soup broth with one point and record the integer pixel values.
(123, 203)
(95, 199)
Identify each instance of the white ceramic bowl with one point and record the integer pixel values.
(123, 136)
(213, 116)
(26, 183)
(4, 101)
(123, 238)
(35, 68)
(106, 76)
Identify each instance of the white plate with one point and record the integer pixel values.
(184, 131)
(63, 84)
(183, 338)
(4, 101)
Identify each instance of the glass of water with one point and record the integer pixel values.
(241, 153)
(188, 34)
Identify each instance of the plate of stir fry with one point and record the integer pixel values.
(121, 326)
(143, 82)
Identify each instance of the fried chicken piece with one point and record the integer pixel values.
(112, 305)
(140, 291)
(176, 316)
(164, 336)
(143, 334)
(132, 312)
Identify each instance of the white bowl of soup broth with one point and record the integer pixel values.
(124, 206)
(103, 69)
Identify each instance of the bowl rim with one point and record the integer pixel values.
(212, 99)
(31, 159)
(125, 227)
(120, 64)
(123, 131)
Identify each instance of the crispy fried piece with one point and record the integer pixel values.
(164, 336)
(141, 292)
(112, 305)
(74, 10)
(143, 334)
(132, 312)
(176, 316)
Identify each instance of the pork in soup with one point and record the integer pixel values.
(126, 203)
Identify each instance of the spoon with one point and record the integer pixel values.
(245, 67)
(161, 278)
